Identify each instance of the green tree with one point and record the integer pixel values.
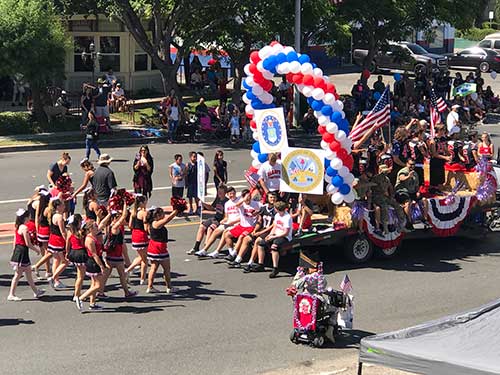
(33, 44)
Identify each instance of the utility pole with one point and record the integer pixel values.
(296, 96)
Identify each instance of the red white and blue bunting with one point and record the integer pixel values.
(321, 96)
(382, 240)
(446, 217)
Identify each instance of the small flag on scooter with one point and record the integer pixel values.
(346, 285)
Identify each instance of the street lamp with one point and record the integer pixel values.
(91, 56)
(490, 16)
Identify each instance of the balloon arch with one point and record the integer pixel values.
(322, 97)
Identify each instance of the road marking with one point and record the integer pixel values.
(131, 191)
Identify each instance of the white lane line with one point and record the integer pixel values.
(131, 191)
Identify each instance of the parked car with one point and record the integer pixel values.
(403, 56)
(475, 58)
(491, 41)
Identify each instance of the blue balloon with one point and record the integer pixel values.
(314, 65)
(397, 77)
(246, 85)
(304, 59)
(280, 58)
(256, 147)
(267, 106)
(251, 95)
(336, 117)
(376, 95)
(330, 171)
(317, 105)
(310, 100)
(327, 163)
(344, 189)
(292, 56)
(326, 110)
(269, 62)
(262, 158)
(337, 181)
(257, 104)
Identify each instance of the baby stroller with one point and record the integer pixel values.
(316, 309)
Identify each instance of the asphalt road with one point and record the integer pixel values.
(221, 321)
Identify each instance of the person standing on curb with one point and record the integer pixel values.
(91, 136)
(104, 179)
(178, 176)
(192, 182)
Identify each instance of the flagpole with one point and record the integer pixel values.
(390, 120)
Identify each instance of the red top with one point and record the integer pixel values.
(484, 150)
(98, 248)
(20, 239)
(76, 243)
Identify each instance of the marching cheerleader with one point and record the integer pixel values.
(20, 260)
(157, 248)
(140, 237)
(77, 254)
(92, 209)
(42, 231)
(89, 170)
(95, 264)
(114, 254)
(57, 241)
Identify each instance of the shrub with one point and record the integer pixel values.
(475, 33)
(12, 123)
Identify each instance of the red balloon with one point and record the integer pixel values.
(330, 87)
(297, 78)
(308, 80)
(267, 85)
(366, 74)
(249, 115)
(328, 137)
(258, 78)
(321, 129)
(319, 82)
(253, 68)
(334, 146)
(348, 162)
(254, 57)
(342, 154)
(289, 77)
(253, 124)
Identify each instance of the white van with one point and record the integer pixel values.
(491, 41)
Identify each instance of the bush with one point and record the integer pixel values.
(12, 123)
(475, 33)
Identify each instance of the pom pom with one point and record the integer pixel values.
(178, 204)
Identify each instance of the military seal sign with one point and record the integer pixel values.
(302, 170)
(271, 130)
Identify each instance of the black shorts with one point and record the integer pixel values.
(177, 192)
(437, 174)
(192, 191)
(210, 223)
(403, 196)
(274, 244)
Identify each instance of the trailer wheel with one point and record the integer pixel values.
(386, 253)
(358, 249)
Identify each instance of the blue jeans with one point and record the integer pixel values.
(172, 127)
(91, 143)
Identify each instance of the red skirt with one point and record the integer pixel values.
(115, 254)
(57, 243)
(455, 167)
(157, 251)
(140, 239)
(43, 234)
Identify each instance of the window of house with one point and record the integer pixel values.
(140, 59)
(110, 53)
(82, 44)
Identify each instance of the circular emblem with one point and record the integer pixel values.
(302, 170)
(271, 130)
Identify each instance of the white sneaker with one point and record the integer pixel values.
(201, 253)
(214, 254)
(142, 282)
(59, 285)
(39, 293)
(191, 252)
(36, 272)
(152, 290)
(51, 282)
(171, 290)
(14, 298)
(78, 303)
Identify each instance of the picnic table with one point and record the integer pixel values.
(132, 104)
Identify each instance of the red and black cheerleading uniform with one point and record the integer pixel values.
(43, 233)
(20, 257)
(157, 248)
(468, 154)
(140, 238)
(436, 166)
(93, 269)
(77, 253)
(115, 252)
(455, 148)
(31, 223)
(57, 243)
(418, 156)
(89, 214)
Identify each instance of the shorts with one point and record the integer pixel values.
(157, 251)
(57, 244)
(43, 234)
(403, 196)
(102, 111)
(437, 174)
(140, 239)
(192, 191)
(235, 131)
(177, 192)
(78, 257)
(239, 231)
(274, 244)
(210, 223)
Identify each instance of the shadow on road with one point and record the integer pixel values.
(14, 322)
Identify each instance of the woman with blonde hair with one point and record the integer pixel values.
(485, 148)
(59, 168)
(140, 238)
(57, 241)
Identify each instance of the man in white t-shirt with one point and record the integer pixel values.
(231, 218)
(453, 120)
(178, 176)
(270, 174)
(281, 234)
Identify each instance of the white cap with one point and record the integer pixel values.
(455, 106)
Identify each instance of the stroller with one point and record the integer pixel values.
(317, 311)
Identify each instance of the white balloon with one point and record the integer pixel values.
(306, 68)
(300, 87)
(268, 99)
(277, 48)
(337, 198)
(336, 163)
(336, 107)
(329, 98)
(342, 113)
(250, 82)
(330, 188)
(268, 75)
(255, 136)
(278, 69)
(253, 154)
(324, 145)
(246, 69)
(343, 171)
(318, 94)
(341, 136)
(347, 144)
(285, 67)
(249, 109)
(323, 120)
(332, 128)
(260, 66)
(245, 99)
(328, 179)
(287, 50)
(349, 198)
(317, 72)
(317, 114)
(340, 104)
(295, 67)
(307, 91)
(257, 89)
(255, 163)
(329, 154)
(349, 179)
(265, 52)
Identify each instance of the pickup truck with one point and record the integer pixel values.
(403, 56)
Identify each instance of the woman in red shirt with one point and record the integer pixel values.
(485, 147)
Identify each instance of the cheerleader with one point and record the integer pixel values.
(20, 260)
(57, 241)
(157, 249)
(42, 232)
(88, 169)
(75, 248)
(140, 237)
(92, 208)
(114, 254)
(95, 265)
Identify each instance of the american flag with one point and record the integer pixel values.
(437, 106)
(345, 285)
(378, 117)
(252, 177)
